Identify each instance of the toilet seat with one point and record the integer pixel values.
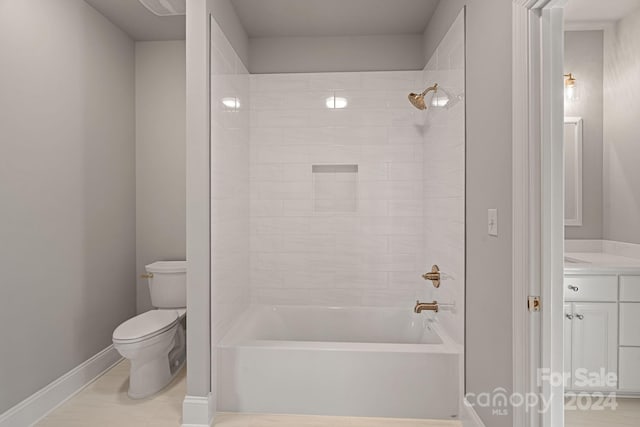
(145, 326)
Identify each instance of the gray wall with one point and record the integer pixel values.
(67, 189)
(198, 80)
(621, 130)
(488, 185)
(225, 14)
(583, 56)
(325, 54)
(160, 157)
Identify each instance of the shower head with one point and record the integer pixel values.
(417, 99)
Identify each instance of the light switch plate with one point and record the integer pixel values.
(493, 222)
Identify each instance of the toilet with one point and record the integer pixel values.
(154, 342)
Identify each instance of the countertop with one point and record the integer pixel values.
(600, 262)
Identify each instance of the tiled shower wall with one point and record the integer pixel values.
(444, 179)
(337, 193)
(229, 184)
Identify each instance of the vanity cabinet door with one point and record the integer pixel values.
(568, 324)
(594, 351)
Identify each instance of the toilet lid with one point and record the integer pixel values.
(146, 325)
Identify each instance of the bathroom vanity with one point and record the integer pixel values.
(602, 318)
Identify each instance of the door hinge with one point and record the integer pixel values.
(533, 303)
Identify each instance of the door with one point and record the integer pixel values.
(594, 343)
(538, 199)
(568, 325)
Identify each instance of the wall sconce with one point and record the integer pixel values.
(570, 87)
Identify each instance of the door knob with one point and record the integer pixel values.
(573, 288)
(580, 316)
(434, 276)
(569, 316)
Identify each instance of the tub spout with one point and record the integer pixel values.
(421, 306)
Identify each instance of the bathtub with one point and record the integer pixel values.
(374, 362)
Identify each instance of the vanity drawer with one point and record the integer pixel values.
(630, 288)
(591, 288)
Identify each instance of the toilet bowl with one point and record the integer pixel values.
(154, 341)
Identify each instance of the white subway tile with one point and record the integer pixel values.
(269, 136)
(332, 225)
(308, 136)
(391, 80)
(388, 154)
(361, 279)
(296, 172)
(407, 244)
(335, 81)
(402, 208)
(297, 208)
(406, 135)
(406, 171)
(279, 118)
(309, 243)
(281, 82)
(308, 279)
(360, 135)
(411, 280)
(268, 243)
(266, 172)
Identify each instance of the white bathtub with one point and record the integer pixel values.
(376, 362)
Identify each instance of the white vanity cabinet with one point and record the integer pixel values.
(591, 344)
(629, 355)
(602, 330)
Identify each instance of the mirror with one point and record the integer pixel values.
(572, 171)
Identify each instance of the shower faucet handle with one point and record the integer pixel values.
(434, 276)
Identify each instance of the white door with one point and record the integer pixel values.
(538, 199)
(594, 344)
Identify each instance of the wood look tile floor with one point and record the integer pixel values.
(627, 414)
(105, 403)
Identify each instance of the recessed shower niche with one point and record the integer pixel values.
(335, 188)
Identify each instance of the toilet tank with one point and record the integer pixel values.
(168, 284)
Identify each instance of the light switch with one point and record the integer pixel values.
(493, 222)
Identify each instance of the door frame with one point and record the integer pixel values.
(538, 209)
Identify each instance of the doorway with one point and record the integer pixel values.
(583, 284)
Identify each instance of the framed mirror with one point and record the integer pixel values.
(572, 171)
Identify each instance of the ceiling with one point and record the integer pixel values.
(134, 19)
(598, 10)
(291, 18)
(285, 18)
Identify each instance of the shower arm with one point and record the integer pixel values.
(433, 88)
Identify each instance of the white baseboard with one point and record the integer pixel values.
(470, 417)
(197, 411)
(39, 404)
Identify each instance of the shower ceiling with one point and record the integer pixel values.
(319, 18)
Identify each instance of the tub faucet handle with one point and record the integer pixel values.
(434, 276)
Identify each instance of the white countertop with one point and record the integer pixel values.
(600, 262)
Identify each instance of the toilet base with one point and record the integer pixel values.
(145, 382)
(154, 366)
